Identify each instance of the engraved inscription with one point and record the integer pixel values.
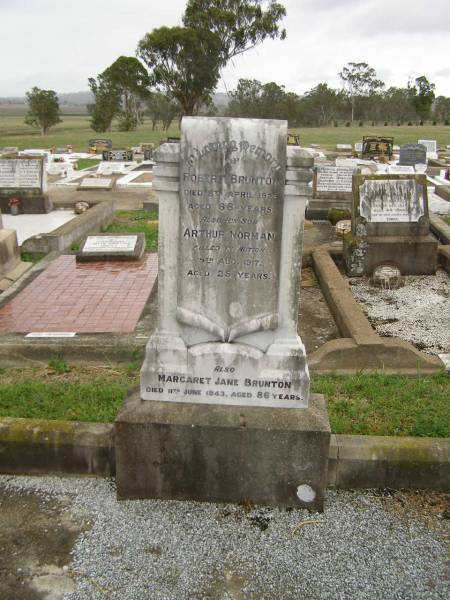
(231, 191)
(334, 179)
(20, 173)
(391, 201)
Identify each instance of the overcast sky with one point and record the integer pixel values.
(58, 44)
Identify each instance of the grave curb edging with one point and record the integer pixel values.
(359, 345)
(44, 447)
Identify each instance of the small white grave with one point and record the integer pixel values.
(101, 183)
(399, 169)
(113, 243)
(344, 147)
(432, 148)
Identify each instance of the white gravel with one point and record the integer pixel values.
(419, 312)
(160, 550)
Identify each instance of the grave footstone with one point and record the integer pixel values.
(95, 183)
(224, 410)
(23, 183)
(105, 246)
(390, 225)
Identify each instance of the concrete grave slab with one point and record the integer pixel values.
(96, 183)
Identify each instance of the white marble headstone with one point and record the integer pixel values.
(230, 254)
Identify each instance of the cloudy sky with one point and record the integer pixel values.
(58, 44)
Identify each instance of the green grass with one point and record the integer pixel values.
(378, 404)
(367, 404)
(33, 257)
(84, 163)
(447, 220)
(75, 130)
(136, 221)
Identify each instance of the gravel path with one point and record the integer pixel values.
(419, 312)
(359, 548)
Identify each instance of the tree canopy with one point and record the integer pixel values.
(118, 92)
(239, 24)
(43, 109)
(360, 80)
(183, 62)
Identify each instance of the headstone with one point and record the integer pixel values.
(118, 155)
(333, 182)
(358, 147)
(346, 147)
(103, 247)
(430, 145)
(390, 225)
(412, 154)
(95, 183)
(377, 147)
(226, 351)
(99, 145)
(432, 148)
(23, 182)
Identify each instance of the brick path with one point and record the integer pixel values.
(85, 298)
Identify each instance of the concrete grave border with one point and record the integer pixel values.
(98, 215)
(359, 345)
(42, 447)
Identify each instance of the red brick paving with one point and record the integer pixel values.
(98, 297)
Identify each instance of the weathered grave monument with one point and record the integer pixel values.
(224, 411)
(390, 226)
(412, 155)
(23, 183)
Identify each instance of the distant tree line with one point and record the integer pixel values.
(176, 71)
(362, 99)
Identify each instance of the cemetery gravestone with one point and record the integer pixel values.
(99, 145)
(118, 155)
(377, 147)
(333, 182)
(412, 154)
(390, 225)
(225, 383)
(23, 183)
(431, 148)
(112, 247)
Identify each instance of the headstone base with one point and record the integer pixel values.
(412, 255)
(222, 453)
(30, 202)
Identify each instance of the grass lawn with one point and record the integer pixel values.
(136, 221)
(84, 163)
(367, 404)
(75, 130)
